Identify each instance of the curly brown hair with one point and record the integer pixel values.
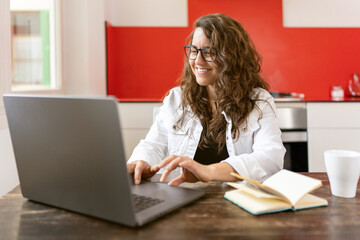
(240, 66)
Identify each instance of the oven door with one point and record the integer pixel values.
(296, 156)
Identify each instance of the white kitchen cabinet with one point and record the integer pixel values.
(135, 119)
(331, 125)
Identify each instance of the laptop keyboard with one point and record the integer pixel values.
(143, 202)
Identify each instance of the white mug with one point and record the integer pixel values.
(343, 169)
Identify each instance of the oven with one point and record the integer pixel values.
(293, 125)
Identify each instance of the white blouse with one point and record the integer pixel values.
(257, 153)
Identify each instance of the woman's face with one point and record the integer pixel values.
(206, 73)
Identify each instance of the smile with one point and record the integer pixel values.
(202, 70)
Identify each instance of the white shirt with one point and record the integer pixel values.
(257, 153)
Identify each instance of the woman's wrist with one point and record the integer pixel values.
(221, 172)
(212, 172)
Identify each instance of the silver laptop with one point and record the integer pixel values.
(69, 154)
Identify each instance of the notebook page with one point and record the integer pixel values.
(249, 189)
(309, 201)
(261, 186)
(292, 185)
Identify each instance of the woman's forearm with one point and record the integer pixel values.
(221, 172)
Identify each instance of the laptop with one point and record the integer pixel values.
(69, 154)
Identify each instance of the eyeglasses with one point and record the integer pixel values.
(207, 53)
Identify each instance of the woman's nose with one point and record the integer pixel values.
(199, 58)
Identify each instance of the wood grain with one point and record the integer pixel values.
(210, 217)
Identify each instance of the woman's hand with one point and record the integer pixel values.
(141, 169)
(192, 171)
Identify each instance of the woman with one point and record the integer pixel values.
(220, 120)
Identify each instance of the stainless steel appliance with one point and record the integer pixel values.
(293, 124)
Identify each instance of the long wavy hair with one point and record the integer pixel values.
(240, 66)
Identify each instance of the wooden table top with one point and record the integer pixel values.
(210, 217)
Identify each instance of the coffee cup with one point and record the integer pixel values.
(343, 170)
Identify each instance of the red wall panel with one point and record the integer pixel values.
(143, 63)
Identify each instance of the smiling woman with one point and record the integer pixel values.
(220, 119)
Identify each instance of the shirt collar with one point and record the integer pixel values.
(228, 120)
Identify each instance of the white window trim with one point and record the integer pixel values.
(58, 56)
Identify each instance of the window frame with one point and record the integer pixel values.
(59, 89)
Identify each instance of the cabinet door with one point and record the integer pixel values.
(135, 120)
(322, 139)
(333, 115)
(131, 138)
(331, 125)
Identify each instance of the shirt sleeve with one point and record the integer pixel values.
(154, 147)
(268, 152)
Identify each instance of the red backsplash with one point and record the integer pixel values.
(143, 63)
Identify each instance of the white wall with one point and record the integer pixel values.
(84, 62)
(5, 53)
(29, 5)
(321, 13)
(154, 13)
(8, 173)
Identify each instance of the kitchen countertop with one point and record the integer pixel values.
(345, 99)
(278, 100)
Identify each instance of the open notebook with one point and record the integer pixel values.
(284, 190)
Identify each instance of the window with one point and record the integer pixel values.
(35, 52)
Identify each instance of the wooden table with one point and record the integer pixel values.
(210, 217)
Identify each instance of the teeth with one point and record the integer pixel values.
(203, 69)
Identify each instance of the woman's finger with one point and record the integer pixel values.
(177, 181)
(149, 171)
(197, 170)
(154, 169)
(131, 167)
(166, 161)
(171, 166)
(189, 165)
(138, 172)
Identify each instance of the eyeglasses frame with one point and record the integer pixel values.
(197, 53)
